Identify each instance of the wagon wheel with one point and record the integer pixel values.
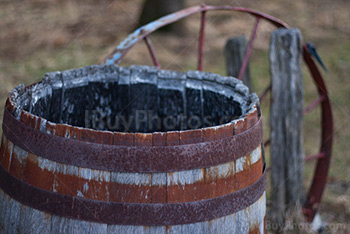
(319, 180)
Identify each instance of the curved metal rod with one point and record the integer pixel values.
(320, 176)
(321, 172)
(121, 50)
(249, 49)
(201, 41)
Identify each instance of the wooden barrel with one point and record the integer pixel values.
(107, 149)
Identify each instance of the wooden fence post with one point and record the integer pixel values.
(235, 49)
(286, 115)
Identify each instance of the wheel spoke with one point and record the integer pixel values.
(151, 51)
(201, 40)
(265, 92)
(313, 104)
(315, 156)
(249, 49)
(267, 142)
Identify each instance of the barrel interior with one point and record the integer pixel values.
(136, 99)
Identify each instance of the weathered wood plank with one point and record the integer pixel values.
(94, 184)
(18, 162)
(242, 221)
(59, 225)
(14, 217)
(6, 160)
(3, 146)
(78, 226)
(130, 187)
(226, 224)
(157, 229)
(234, 51)
(139, 182)
(4, 209)
(40, 222)
(286, 121)
(65, 225)
(18, 218)
(194, 228)
(251, 219)
(159, 180)
(7, 214)
(66, 181)
(98, 228)
(127, 229)
(25, 215)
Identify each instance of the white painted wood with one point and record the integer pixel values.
(46, 164)
(3, 203)
(98, 228)
(242, 221)
(20, 154)
(240, 164)
(4, 209)
(14, 217)
(228, 224)
(19, 218)
(191, 176)
(131, 178)
(24, 225)
(78, 226)
(31, 220)
(34, 221)
(220, 171)
(137, 179)
(159, 179)
(127, 229)
(174, 229)
(9, 147)
(40, 222)
(194, 228)
(157, 229)
(255, 155)
(59, 225)
(7, 214)
(93, 175)
(212, 173)
(185, 177)
(65, 169)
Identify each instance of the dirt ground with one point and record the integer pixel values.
(38, 36)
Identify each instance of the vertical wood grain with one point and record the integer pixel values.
(234, 51)
(286, 121)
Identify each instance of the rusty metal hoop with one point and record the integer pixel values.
(319, 181)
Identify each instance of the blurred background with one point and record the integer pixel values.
(39, 36)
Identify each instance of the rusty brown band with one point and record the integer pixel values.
(129, 158)
(130, 213)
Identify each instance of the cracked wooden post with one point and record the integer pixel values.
(286, 121)
(235, 49)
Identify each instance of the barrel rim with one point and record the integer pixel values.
(252, 101)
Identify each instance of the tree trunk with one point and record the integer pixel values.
(154, 9)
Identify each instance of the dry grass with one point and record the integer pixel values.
(38, 36)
